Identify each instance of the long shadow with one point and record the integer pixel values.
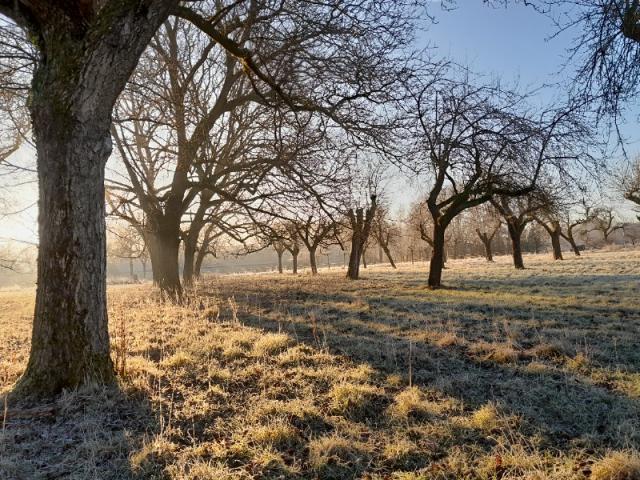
(90, 433)
(565, 409)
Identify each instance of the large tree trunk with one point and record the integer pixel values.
(70, 341)
(83, 66)
(294, 265)
(555, 244)
(437, 256)
(353, 271)
(515, 233)
(165, 263)
(312, 261)
(188, 268)
(279, 260)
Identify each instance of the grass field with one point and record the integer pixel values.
(506, 374)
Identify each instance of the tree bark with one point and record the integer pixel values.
(486, 242)
(572, 241)
(166, 269)
(437, 256)
(515, 233)
(83, 66)
(388, 254)
(555, 244)
(70, 341)
(279, 252)
(294, 264)
(312, 261)
(188, 268)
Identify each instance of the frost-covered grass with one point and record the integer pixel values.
(504, 374)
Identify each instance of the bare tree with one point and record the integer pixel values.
(87, 51)
(360, 223)
(571, 219)
(385, 232)
(474, 143)
(517, 213)
(488, 224)
(604, 221)
(127, 243)
(314, 230)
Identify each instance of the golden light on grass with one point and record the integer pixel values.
(617, 466)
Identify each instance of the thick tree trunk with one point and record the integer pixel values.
(488, 253)
(312, 261)
(188, 268)
(555, 244)
(515, 233)
(353, 271)
(388, 254)
(437, 256)
(70, 340)
(279, 261)
(294, 265)
(83, 66)
(166, 269)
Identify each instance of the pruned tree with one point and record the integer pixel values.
(360, 223)
(549, 221)
(475, 143)
(604, 221)
(572, 219)
(316, 229)
(517, 213)
(385, 232)
(488, 224)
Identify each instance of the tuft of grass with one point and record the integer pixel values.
(410, 403)
(334, 457)
(486, 418)
(449, 340)
(271, 344)
(617, 466)
(354, 401)
(277, 433)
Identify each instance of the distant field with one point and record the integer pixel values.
(505, 374)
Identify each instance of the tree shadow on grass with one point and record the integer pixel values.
(561, 406)
(88, 433)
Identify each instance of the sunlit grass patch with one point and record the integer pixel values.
(271, 344)
(355, 400)
(617, 466)
(334, 457)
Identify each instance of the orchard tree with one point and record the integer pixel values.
(517, 213)
(86, 52)
(488, 224)
(604, 221)
(360, 223)
(385, 233)
(573, 218)
(476, 142)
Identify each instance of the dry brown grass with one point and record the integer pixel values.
(514, 375)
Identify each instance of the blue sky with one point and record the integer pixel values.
(512, 43)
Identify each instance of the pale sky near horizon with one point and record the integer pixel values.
(512, 45)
